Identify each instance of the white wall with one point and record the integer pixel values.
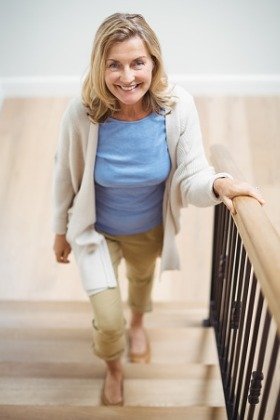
(229, 38)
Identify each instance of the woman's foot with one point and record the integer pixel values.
(139, 348)
(137, 339)
(112, 392)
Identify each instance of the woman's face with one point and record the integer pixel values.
(128, 72)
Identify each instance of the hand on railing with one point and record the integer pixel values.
(227, 189)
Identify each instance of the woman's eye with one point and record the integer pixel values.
(113, 66)
(139, 63)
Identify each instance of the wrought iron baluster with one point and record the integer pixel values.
(222, 264)
(270, 373)
(257, 375)
(225, 301)
(235, 317)
(218, 227)
(245, 346)
(252, 351)
(238, 354)
(228, 341)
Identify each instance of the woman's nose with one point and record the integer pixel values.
(127, 76)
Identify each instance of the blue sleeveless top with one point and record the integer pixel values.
(132, 164)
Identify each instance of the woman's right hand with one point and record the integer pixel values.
(61, 249)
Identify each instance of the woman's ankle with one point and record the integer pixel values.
(114, 367)
(137, 319)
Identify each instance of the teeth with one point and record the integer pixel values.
(128, 87)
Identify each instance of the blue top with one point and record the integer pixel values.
(132, 164)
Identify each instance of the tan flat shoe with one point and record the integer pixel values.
(144, 357)
(106, 402)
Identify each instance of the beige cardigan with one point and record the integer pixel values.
(190, 182)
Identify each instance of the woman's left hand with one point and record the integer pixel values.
(227, 189)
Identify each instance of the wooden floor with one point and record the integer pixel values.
(47, 367)
(249, 126)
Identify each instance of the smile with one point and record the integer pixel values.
(128, 88)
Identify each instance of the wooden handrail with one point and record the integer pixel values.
(260, 238)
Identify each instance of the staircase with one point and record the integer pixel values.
(47, 369)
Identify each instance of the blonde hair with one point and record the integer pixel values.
(95, 94)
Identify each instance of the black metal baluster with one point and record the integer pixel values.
(222, 263)
(269, 378)
(220, 228)
(219, 251)
(217, 229)
(240, 332)
(218, 212)
(245, 345)
(234, 283)
(223, 291)
(223, 277)
(225, 302)
(255, 389)
(252, 351)
(235, 320)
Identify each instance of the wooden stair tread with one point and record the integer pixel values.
(79, 314)
(79, 307)
(181, 345)
(138, 392)
(96, 370)
(26, 412)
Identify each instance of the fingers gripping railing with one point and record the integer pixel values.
(245, 304)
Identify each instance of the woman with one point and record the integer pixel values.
(129, 156)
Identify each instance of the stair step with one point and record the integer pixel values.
(79, 314)
(181, 345)
(26, 412)
(145, 384)
(137, 391)
(84, 370)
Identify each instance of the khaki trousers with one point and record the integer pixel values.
(140, 252)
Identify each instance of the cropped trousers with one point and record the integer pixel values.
(140, 252)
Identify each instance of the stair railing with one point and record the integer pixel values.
(245, 303)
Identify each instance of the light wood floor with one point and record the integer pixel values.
(249, 126)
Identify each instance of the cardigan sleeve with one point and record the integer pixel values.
(195, 175)
(63, 192)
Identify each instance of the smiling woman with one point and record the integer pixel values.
(130, 156)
